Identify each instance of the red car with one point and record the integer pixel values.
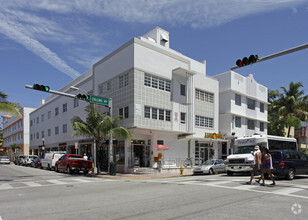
(73, 162)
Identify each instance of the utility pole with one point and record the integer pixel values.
(285, 52)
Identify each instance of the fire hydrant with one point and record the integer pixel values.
(181, 169)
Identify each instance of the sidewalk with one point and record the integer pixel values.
(138, 176)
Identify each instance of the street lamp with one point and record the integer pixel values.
(76, 89)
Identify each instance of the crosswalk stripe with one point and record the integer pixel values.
(82, 180)
(32, 184)
(5, 186)
(58, 182)
(246, 187)
(217, 183)
(287, 191)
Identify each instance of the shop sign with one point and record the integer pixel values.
(303, 132)
(213, 136)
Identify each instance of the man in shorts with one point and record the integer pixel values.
(257, 163)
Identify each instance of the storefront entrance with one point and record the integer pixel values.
(203, 152)
(140, 155)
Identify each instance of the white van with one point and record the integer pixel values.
(50, 159)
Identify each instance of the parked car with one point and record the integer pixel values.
(50, 160)
(288, 163)
(4, 160)
(73, 162)
(28, 159)
(19, 160)
(36, 162)
(211, 167)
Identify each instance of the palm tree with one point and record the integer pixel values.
(293, 103)
(8, 107)
(100, 127)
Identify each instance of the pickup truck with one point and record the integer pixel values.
(73, 162)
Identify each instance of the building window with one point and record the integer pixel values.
(238, 122)
(108, 86)
(204, 96)
(49, 114)
(183, 90)
(56, 111)
(183, 117)
(64, 128)
(31, 123)
(124, 112)
(168, 115)
(56, 130)
(154, 113)
(147, 112)
(251, 124)
(49, 132)
(261, 107)
(37, 135)
(157, 82)
(261, 126)
(43, 134)
(204, 121)
(251, 104)
(76, 103)
(31, 137)
(160, 114)
(123, 80)
(37, 121)
(42, 117)
(160, 142)
(100, 89)
(65, 107)
(238, 100)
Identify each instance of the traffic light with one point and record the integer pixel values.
(83, 97)
(247, 61)
(41, 88)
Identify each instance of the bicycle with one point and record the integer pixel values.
(187, 162)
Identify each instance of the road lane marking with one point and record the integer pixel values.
(5, 186)
(58, 182)
(287, 191)
(246, 187)
(32, 184)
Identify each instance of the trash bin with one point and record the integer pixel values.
(113, 168)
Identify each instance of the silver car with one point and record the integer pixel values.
(4, 160)
(211, 167)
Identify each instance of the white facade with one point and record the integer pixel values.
(16, 131)
(243, 105)
(164, 97)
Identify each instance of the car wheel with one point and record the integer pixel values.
(229, 173)
(48, 167)
(56, 169)
(211, 172)
(86, 172)
(68, 170)
(291, 174)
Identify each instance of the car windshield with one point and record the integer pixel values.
(244, 149)
(208, 162)
(4, 157)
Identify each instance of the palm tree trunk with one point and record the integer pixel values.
(289, 130)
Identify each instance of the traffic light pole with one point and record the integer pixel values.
(55, 92)
(292, 50)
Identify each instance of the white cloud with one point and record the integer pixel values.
(32, 22)
(36, 47)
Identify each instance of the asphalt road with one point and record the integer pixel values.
(28, 193)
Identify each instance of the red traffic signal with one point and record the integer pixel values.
(83, 97)
(247, 61)
(41, 88)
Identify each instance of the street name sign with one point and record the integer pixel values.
(99, 100)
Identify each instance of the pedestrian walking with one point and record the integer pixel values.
(268, 166)
(257, 163)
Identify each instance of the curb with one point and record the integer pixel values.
(139, 177)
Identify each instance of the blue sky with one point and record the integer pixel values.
(51, 42)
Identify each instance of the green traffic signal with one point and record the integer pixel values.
(41, 88)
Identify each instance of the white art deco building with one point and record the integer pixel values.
(164, 97)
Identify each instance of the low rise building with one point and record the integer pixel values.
(16, 129)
